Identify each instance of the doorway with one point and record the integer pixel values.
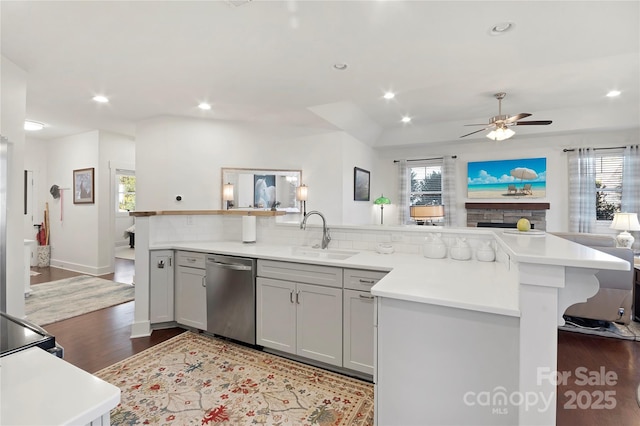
(125, 202)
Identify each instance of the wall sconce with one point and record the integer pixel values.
(625, 222)
(424, 213)
(227, 194)
(382, 200)
(301, 195)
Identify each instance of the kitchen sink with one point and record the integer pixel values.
(323, 254)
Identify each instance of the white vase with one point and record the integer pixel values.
(485, 253)
(434, 247)
(460, 250)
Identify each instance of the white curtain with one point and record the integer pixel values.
(582, 190)
(631, 183)
(449, 190)
(403, 192)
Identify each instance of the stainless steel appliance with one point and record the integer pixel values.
(231, 297)
(18, 334)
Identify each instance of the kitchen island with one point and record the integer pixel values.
(38, 388)
(449, 332)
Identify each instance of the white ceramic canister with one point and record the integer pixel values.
(434, 247)
(460, 250)
(485, 252)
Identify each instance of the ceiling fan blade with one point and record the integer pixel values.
(477, 131)
(533, 123)
(483, 124)
(517, 117)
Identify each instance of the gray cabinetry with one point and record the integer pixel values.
(191, 291)
(358, 319)
(161, 286)
(296, 314)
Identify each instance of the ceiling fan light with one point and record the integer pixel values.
(500, 134)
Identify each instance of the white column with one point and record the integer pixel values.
(545, 293)
(141, 325)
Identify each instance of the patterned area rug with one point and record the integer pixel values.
(58, 300)
(195, 379)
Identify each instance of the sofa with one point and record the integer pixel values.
(613, 301)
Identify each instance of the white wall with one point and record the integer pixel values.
(74, 228)
(82, 236)
(115, 152)
(180, 156)
(12, 115)
(550, 147)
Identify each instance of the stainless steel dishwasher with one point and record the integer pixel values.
(231, 297)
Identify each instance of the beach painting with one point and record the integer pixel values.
(520, 178)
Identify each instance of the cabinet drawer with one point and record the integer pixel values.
(190, 258)
(300, 273)
(360, 279)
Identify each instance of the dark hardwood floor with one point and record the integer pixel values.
(98, 339)
(101, 338)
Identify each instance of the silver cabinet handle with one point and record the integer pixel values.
(367, 281)
(204, 281)
(191, 259)
(291, 296)
(298, 297)
(362, 296)
(233, 266)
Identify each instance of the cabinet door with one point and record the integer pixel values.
(161, 286)
(191, 297)
(319, 323)
(276, 314)
(358, 331)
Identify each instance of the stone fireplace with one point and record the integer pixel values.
(507, 213)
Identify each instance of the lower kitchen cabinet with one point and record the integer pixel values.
(276, 314)
(358, 330)
(301, 319)
(161, 286)
(191, 297)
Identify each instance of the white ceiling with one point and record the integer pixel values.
(271, 62)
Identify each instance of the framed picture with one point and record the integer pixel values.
(361, 184)
(519, 178)
(264, 194)
(83, 186)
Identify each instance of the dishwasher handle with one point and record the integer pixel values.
(233, 266)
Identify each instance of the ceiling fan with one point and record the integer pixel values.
(500, 123)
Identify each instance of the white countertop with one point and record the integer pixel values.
(38, 388)
(551, 250)
(482, 286)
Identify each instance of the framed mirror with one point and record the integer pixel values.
(263, 189)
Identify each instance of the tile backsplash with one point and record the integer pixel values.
(405, 239)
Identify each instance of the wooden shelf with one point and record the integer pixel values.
(208, 212)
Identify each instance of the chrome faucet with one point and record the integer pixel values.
(326, 238)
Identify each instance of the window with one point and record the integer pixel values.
(125, 191)
(426, 183)
(608, 183)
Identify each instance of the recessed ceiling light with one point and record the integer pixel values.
(101, 99)
(501, 28)
(33, 125)
(406, 119)
(613, 93)
(340, 66)
(205, 106)
(389, 95)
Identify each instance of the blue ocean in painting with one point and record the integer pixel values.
(494, 177)
(503, 186)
